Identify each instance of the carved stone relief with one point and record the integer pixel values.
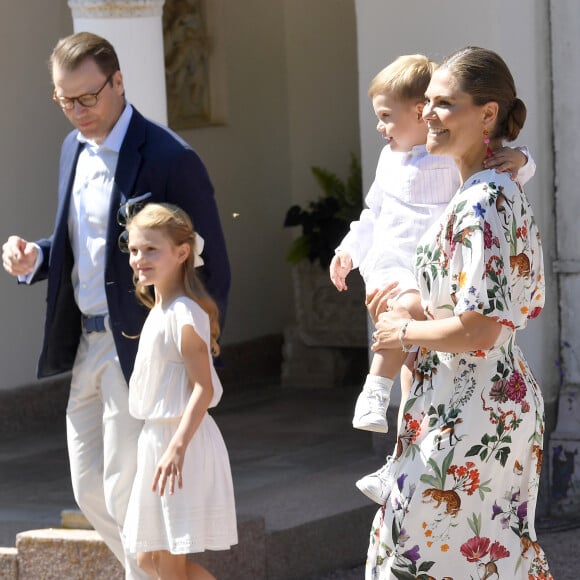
(115, 8)
(187, 63)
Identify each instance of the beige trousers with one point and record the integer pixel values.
(102, 442)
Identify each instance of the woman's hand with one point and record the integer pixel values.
(388, 328)
(379, 300)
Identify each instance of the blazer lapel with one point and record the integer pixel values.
(69, 156)
(68, 162)
(128, 167)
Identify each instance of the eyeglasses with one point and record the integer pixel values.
(86, 100)
(127, 211)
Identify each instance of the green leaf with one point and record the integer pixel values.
(410, 402)
(435, 468)
(474, 451)
(402, 574)
(395, 531)
(474, 523)
(446, 463)
(430, 480)
(426, 566)
(502, 455)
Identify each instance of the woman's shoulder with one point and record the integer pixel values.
(490, 178)
(487, 185)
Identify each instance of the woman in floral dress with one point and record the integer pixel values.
(465, 471)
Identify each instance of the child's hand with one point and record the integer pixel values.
(168, 471)
(507, 160)
(340, 266)
(377, 301)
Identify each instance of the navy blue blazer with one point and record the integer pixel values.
(152, 160)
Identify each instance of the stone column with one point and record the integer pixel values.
(135, 29)
(564, 448)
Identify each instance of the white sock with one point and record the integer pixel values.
(376, 383)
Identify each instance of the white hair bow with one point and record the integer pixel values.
(199, 243)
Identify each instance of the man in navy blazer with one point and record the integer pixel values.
(114, 160)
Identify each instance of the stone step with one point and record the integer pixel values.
(277, 554)
(58, 553)
(74, 520)
(8, 563)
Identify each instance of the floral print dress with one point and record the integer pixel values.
(465, 471)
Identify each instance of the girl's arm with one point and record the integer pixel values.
(463, 333)
(196, 360)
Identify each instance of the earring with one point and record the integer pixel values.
(486, 140)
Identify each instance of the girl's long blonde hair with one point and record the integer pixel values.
(177, 226)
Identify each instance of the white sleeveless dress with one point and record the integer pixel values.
(200, 516)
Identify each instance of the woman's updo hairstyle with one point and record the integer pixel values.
(485, 76)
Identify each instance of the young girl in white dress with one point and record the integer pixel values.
(182, 499)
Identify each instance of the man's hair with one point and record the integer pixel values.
(73, 50)
(406, 78)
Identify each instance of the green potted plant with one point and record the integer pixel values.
(324, 316)
(325, 221)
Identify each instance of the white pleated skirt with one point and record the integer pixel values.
(199, 516)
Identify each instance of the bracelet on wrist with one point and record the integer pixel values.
(402, 333)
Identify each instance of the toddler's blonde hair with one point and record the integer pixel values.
(405, 79)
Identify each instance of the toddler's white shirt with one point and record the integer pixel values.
(409, 193)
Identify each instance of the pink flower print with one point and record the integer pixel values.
(475, 548)
(488, 238)
(497, 552)
(516, 387)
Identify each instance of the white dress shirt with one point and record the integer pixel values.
(89, 215)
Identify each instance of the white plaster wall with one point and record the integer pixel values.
(291, 90)
(32, 130)
(519, 31)
(565, 18)
(248, 159)
(321, 86)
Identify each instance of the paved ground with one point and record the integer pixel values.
(276, 437)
